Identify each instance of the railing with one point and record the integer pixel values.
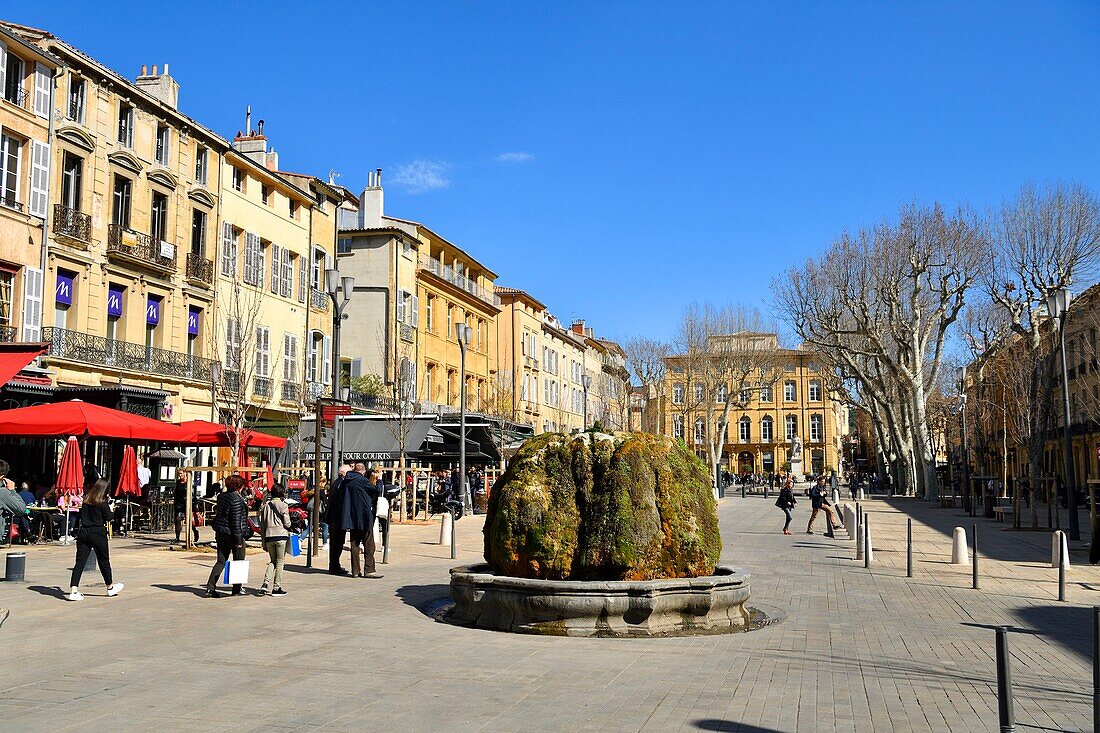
(437, 407)
(144, 248)
(71, 223)
(290, 392)
(231, 382)
(318, 299)
(407, 332)
(458, 280)
(16, 94)
(10, 202)
(316, 390)
(261, 386)
(347, 219)
(66, 344)
(199, 268)
(380, 403)
(9, 334)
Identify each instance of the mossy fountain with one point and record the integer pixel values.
(598, 534)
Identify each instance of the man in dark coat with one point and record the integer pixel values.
(337, 530)
(360, 504)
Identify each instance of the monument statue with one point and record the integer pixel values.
(796, 458)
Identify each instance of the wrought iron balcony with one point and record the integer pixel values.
(66, 344)
(318, 299)
(290, 392)
(141, 248)
(16, 94)
(231, 382)
(261, 386)
(10, 202)
(200, 269)
(71, 223)
(316, 390)
(9, 334)
(381, 403)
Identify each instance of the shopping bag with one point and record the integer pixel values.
(382, 508)
(236, 572)
(295, 545)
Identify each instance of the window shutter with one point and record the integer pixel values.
(311, 358)
(416, 311)
(40, 178)
(3, 66)
(288, 274)
(227, 249)
(42, 84)
(32, 304)
(326, 362)
(303, 277)
(275, 249)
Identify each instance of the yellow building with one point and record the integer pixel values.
(412, 287)
(765, 420)
(133, 198)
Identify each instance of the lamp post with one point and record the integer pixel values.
(463, 333)
(965, 450)
(586, 382)
(339, 291)
(215, 377)
(1058, 308)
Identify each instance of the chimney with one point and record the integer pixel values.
(578, 327)
(371, 201)
(161, 86)
(253, 143)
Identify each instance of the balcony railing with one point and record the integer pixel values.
(459, 280)
(16, 94)
(316, 390)
(71, 223)
(318, 299)
(261, 386)
(290, 392)
(10, 202)
(9, 334)
(141, 248)
(66, 344)
(200, 269)
(231, 382)
(381, 403)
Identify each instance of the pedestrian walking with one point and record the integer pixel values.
(230, 527)
(275, 533)
(359, 515)
(819, 502)
(91, 536)
(337, 530)
(179, 508)
(786, 502)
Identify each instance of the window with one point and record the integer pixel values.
(294, 207)
(700, 430)
(816, 429)
(238, 179)
(263, 352)
(699, 391)
(429, 320)
(10, 153)
(450, 322)
(450, 385)
(404, 300)
(13, 86)
(790, 394)
(721, 394)
(72, 175)
(198, 232)
(158, 217)
(303, 278)
(125, 125)
(120, 202)
(163, 137)
(766, 425)
(677, 394)
(744, 429)
(265, 194)
(76, 99)
(815, 391)
(7, 283)
(766, 394)
(343, 246)
(254, 265)
(201, 164)
(791, 424)
(286, 265)
(744, 396)
(229, 250)
(480, 329)
(233, 344)
(290, 358)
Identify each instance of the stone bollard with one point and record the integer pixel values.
(868, 551)
(15, 566)
(446, 528)
(859, 541)
(859, 495)
(850, 521)
(960, 555)
(1058, 540)
(835, 497)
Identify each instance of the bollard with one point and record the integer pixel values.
(15, 566)
(835, 497)
(861, 535)
(1004, 683)
(1058, 542)
(850, 521)
(454, 549)
(959, 553)
(446, 529)
(1061, 577)
(974, 565)
(860, 495)
(868, 553)
(909, 549)
(385, 542)
(1096, 668)
(742, 489)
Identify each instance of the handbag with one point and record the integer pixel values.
(382, 507)
(295, 545)
(235, 573)
(198, 519)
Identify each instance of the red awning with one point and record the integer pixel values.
(74, 417)
(204, 432)
(14, 357)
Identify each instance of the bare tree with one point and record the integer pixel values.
(646, 359)
(399, 419)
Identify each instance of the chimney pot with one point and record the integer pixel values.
(154, 70)
(144, 70)
(166, 69)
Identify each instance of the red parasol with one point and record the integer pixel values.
(204, 432)
(270, 478)
(70, 475)
(128, 478)
(82, 418)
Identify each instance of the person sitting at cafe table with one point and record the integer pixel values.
(10, 501)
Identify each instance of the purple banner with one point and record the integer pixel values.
(114, 300)
(152, 311)
(193, 316)
(64, 290)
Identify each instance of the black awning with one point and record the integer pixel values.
(368, 438)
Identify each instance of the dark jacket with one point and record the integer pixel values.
(786, 499)
(231, 515)
(94, 516)
(334, 512)
(360, 502)
(817, 496)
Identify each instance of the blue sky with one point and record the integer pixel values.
(620, 160)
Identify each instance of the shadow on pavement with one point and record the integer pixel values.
(1068, 626)
(52, 590)
(195, 590)
(306, 571)
(424, 598)
(732, 726)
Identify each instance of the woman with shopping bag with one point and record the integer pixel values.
(230, 527)
(275, 533)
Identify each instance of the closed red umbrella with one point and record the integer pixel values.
(70, 478)
(270, 478)
(128, 484)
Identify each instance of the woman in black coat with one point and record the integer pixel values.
(230, 527)
(786, 502)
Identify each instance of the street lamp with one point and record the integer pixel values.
(586, 382)
(215, 377)
(965, 450)
(463, 333)
(339, 291)
(1058, 308)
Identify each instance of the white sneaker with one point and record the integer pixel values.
(115, 589)
(324, 546)
(75, 596)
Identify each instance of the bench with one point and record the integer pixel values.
(1000, 512)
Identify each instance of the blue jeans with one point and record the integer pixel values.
(790, 517)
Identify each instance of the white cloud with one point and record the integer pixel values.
(516, 157)
(421, 176)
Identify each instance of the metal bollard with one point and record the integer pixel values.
(909, 549)
(974, 565)
(454, 550)
(1096, 668)
(15, 566)
(866, 543)
(386, 541)
(1004, 683)
(742, 490)
(1062, 570)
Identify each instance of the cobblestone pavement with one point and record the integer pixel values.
(859, 650)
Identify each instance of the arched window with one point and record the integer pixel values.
(767, 426)
(744, 429)
(816, 429)
(699, 392)
(791, 422)
(815, 391)
(720, 394)
(677, 394)
(678, 427)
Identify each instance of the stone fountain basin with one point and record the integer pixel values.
(675, 606)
